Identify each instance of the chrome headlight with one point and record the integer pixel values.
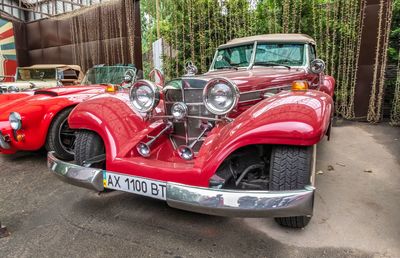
(15, 121)
(144, 96)
(220, 96)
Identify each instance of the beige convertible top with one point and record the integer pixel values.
(62, 67)
(292, 38)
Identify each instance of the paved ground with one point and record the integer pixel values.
(357, 211)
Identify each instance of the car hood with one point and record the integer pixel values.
(23, 85)
(256, 77)
(66, 90)
(37, 101)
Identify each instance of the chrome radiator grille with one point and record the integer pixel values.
(191, 94)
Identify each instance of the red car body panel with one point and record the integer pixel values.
(289, 118)
(37, 109)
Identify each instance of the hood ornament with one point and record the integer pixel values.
(190, 69)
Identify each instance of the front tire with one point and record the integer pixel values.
(60, 137)
(88, 145)
(291, 170)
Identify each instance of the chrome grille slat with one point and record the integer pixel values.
(192, 95)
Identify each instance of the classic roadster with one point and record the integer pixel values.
(30, 120)
(43, 76)
(239, 140)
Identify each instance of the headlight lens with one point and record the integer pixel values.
(220, 96)
(144, 96)
(15, 120)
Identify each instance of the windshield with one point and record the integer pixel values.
(268, 54)
(239, 56)
(106, 75)
(283, 54)
(36, 74)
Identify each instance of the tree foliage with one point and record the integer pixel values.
(194, 28)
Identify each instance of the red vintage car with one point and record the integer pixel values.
(30, 120)
(238, 140)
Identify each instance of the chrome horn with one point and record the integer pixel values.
(144, 148)
(186, 152)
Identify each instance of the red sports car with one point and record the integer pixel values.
(237, 141)
(30, 120)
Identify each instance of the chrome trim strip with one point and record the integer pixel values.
(183, 137)
(266, 89)
(3, 144)
(212, 201)
(249, 100)
(196, 117)
(206, 118)
(187, 104)
(262, 92)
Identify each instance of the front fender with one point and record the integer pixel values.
(328, 85)
(289, 118)
(111, 117)
(37, 115)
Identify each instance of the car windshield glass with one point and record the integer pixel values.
(36, 74)
(234, 57)
(280, 54)
(106, 75)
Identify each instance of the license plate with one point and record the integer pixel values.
(136, 185)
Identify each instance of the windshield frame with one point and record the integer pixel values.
(19, 79)
(305, 65)
(133, 68)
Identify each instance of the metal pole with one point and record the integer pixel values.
(158, 18)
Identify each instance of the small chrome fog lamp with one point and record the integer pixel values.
(179, 110)
(15, 121)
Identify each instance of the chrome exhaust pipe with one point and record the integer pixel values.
(144, 148)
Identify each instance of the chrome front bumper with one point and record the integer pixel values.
(211, 201)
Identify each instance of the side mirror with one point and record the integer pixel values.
(157, 76)
(12, 89)
(317, 66)
(128, 78)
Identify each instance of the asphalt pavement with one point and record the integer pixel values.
(357, 211)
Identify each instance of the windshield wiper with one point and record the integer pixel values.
(226, 67)
(271, 64)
